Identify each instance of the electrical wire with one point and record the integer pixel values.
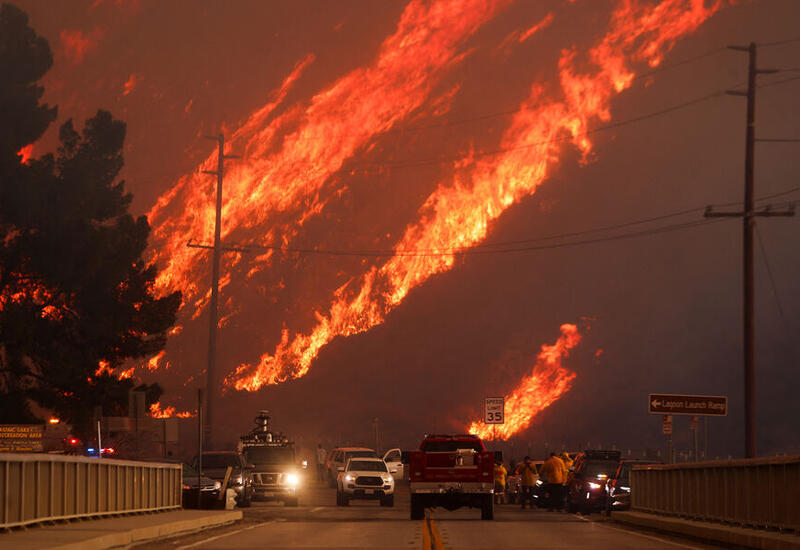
(771, 278)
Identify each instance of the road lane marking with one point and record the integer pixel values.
(437, 539)
(426, 535)
(204, 541)
(318, 508)
(651, 537)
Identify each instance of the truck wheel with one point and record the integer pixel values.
(387, 501)
(487, 509)
(417, 508)
(290, 502)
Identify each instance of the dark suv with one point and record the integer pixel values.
(216, 463)
(586, 488)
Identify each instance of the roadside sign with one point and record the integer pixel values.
(703, 405)
(494, 410)
(666, 424)
(21, 438)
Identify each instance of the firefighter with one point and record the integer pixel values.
(500, 474)
(554, 471)
(528, 476)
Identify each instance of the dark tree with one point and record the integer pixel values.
(75, 291)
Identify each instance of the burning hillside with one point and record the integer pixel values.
(301, 162)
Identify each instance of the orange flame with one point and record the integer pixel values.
(287, 160)
(25, 154)
(458, 213)
(547, 382)
(157, 412)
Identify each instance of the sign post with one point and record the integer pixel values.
(694, 405)
(494, 410)
(666, 429)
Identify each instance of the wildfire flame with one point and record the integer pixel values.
(547, 381)
(290, 157)
(457, 215)
(157, 412)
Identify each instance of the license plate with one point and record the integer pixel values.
(267, 495)
(368, 491)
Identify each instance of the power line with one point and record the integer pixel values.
(453, 158)
(778, 42)
(771, 279)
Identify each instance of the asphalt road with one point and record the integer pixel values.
(319, 524)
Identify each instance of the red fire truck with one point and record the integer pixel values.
(451, 471)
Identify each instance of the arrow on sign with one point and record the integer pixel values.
(656, 403)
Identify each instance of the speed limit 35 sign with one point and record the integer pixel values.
(494, 410)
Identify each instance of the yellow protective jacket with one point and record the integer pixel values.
(527, 475)
(554, 471)
(500, 474)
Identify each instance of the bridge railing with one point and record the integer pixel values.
(41, 487)
(760, 492)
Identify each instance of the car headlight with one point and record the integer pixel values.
(186, 487)
(291, 479)
(349, 477)
(593, 485)
(237, 480)
(217, 485)
(387, 479)
(624, 489)
(539, 483)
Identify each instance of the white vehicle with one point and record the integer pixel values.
(393, 462)
(367, 479)
(338, 457)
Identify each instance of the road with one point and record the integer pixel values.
(319, 524)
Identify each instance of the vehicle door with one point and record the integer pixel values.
(393, 463)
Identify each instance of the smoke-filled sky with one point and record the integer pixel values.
(410, 129)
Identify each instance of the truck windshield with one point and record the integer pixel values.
(366, 466)
(221, 460)
(600, 467)
(450, 446)
(269, 455)
(359, 454)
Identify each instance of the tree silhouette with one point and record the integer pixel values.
(75, 291)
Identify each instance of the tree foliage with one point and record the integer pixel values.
(75, 292)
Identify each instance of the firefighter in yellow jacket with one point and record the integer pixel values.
(554, 472)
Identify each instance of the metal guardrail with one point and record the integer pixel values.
(41, 487)
(759, 492)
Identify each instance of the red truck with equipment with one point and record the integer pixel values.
(451, 471)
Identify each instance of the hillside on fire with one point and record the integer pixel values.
(379, 213)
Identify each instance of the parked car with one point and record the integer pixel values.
(209, 489)
(339, 456)
(367, 479)
(586, 486)
(216, 463)
(618, 486)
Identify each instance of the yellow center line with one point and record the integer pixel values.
(426, 535)
(437, 539)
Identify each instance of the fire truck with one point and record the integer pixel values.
(271, 458)
(451, 471)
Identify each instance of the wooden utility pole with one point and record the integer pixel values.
(748, 216)
(212, 377)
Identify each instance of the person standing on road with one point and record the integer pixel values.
(554, 471)
(527, 480)
(322, 454)
(500, 474)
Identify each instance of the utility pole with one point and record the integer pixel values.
(212, 377)
(748, 216)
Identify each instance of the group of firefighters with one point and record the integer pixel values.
(553, 474)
